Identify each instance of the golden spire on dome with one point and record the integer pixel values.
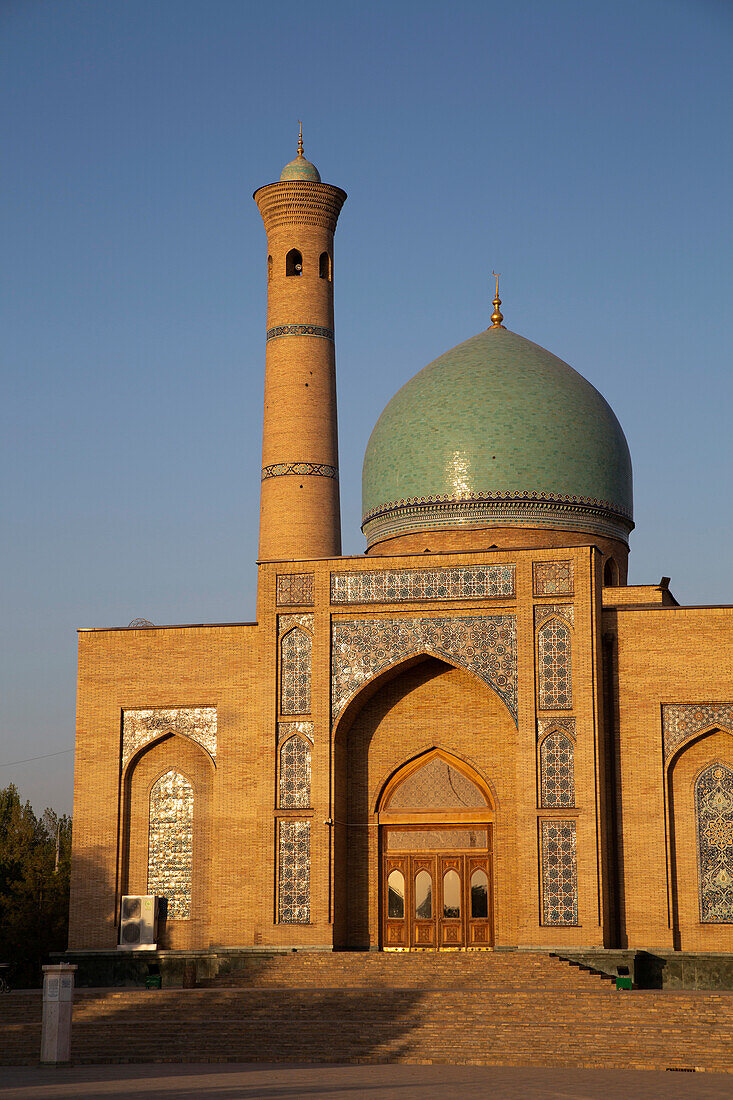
(497, 316)
(300, 138)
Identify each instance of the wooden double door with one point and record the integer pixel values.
(439, 900)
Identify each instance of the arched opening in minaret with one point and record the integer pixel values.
(293, 262)
(324, 266)
(269, 268)
(610, 573)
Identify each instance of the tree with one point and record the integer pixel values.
(35, 861)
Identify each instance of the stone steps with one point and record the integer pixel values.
(481, 1011)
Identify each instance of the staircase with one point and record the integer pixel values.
(515, 1008)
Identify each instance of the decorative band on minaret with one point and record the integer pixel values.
(299, 502)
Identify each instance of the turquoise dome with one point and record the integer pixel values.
(300, 169)
(497, 432)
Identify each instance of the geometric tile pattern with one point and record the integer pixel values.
(141, 726)
(287, 622)
(295, 773)
(552, 578)
(559, 873)
(280, 469)
(295, 589)
(546, 725)
(294, 872)
(469, 582)
(170, 843)
(436, 786)
(683, 720)
(553, 641)
(420, 840)
(295, 672)
(287, 729)
(485, 645)
(299, 330)
(557, 771)
(544, 611)
(714, 819)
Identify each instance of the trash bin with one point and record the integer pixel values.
(154, 981)
(623, 982)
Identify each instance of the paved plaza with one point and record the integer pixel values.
(341, 1082)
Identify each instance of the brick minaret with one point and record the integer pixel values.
(299, 502)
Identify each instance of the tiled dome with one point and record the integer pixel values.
(300, 169)
(497, 432)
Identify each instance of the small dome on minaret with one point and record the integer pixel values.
(300, 168)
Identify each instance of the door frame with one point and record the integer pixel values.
(409, 934)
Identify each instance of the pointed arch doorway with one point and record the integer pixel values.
(436, 883)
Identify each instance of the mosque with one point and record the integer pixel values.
(474, 736)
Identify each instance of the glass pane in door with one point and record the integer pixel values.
(396, 895)
(479, 894)
(451, 895)
(423, 896)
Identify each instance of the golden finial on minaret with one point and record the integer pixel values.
(497, 316)
(300, 138)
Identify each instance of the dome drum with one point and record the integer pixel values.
(534, 510)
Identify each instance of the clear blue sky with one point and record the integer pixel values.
(582, 149)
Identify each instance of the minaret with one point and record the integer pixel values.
(299, 502)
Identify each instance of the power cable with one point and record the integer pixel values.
(28, 759)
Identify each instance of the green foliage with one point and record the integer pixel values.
(34, 886)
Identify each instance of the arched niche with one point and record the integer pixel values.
(421, 709)
(182, 756)
(693, 929)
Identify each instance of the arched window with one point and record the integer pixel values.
(714, 821)
(557, 771)
(396, 895)
(610, 574)
(170, 843)
(423, 896)
(295, 773)
(451, 895)
(295, 672)
(324, 266)
(269, 268)
(479, 894)
(554, 666)
(293, 262)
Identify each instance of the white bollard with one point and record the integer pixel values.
(58, 996)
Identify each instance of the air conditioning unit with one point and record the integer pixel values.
(138, 923)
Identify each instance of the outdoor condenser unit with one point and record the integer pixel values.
(138, 922)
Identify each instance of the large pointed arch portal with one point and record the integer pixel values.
(435, 821)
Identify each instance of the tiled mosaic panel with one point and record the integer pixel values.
(553, 644)
(295, 773)
(294, 872)
(300, 469)
(547, 725)
(559, 873)
(565, 611)
(436, 786)
(170, 843)
(485, 645)
(287, 729)
(295, 672)
(299, 330)
(683, 720)
(552, 578)
(141, 726)
(395, 585)
(287, 622)
(714, 817)
(557, 771)
(432, 840)
(295, 589)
